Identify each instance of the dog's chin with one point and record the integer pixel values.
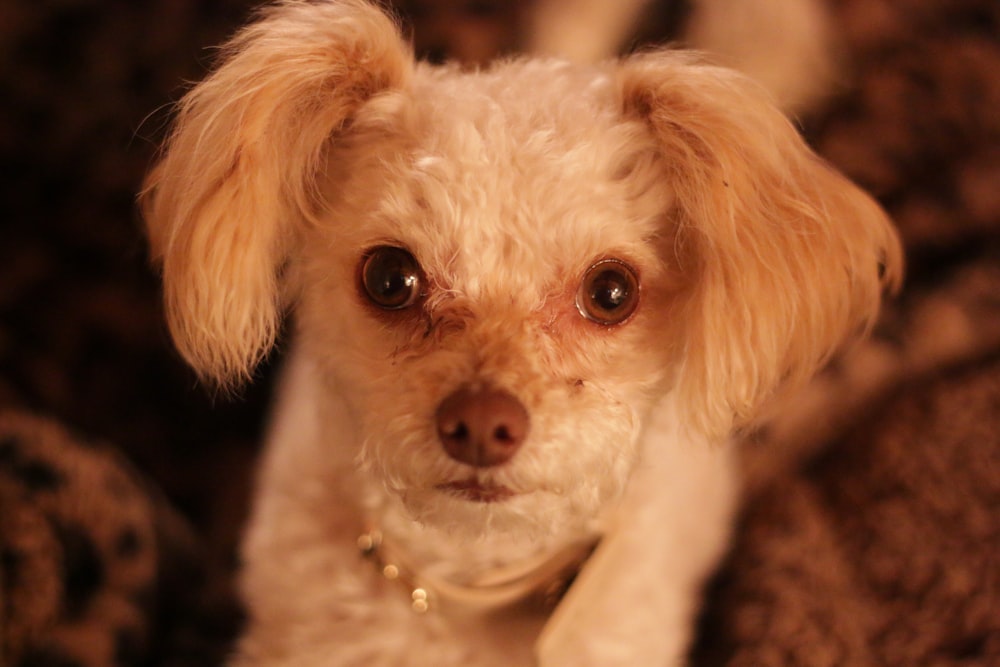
(474, 491)
(472, 509)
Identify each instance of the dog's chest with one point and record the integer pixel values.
(490, 616)
(389, 631)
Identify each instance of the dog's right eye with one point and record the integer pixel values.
(391, 278)
(609, 292)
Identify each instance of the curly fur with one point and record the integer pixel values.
(318, 138)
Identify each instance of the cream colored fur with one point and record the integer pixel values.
(318, 138)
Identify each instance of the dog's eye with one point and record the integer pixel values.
(391, 277)
(609, 292)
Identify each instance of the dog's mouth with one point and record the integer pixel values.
(476, 491)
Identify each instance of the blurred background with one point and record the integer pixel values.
(910, 109)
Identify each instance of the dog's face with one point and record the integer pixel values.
(479, 255)
(501, 272)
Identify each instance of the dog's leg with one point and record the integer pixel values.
(635, 601)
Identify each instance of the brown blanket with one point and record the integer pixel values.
(871, 529)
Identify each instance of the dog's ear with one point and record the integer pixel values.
(239, 170)
(787, 257)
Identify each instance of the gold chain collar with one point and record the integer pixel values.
(540, 581)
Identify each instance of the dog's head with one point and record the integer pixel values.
(500, 273)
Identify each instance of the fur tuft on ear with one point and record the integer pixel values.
(788, 258)
(239, 167)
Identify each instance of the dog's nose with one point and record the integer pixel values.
(481, 427)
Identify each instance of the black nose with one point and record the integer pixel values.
(481, 427)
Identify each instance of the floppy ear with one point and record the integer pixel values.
(787, 257)
(238, 170)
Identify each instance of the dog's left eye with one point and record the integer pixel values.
(391, 278)
(609, 293)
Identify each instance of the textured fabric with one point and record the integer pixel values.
(882, 550)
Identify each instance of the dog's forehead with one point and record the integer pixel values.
(520, 167)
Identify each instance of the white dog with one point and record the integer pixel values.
(530, 303)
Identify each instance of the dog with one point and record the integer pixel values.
(529, 305)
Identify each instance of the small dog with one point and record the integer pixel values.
(530, 304)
